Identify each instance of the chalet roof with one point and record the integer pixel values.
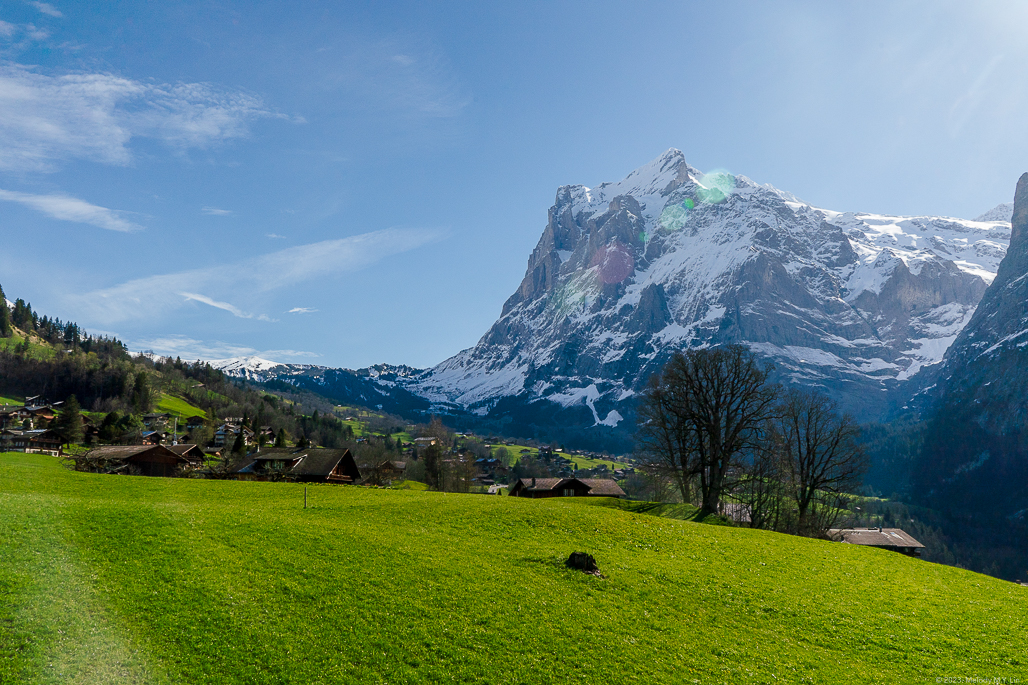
(277, 454)
(31, 432)
(126, 451)
(596, 486)
(188, 449)
(317, 461)
(389, 463)
(603, 486)
(541, 483)
(874, 537)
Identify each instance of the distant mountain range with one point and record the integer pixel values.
(627, 273)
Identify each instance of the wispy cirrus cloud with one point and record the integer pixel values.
(215, 211)
(237, 288)
(67, 208)
(301, 310)
(192, 349)
(48, 119)
(46, 8)
(228, 307)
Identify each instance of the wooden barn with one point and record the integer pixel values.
(883, 538)
(390, 470)
(148, 460)
(566, 487)
(310, 465)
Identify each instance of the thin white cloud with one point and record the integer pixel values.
(275, 235)
(67, 208)
(287, 353)
(236, 311)
(214, 211)
(46, 8)
(45, 119)
(6, 30)
(237, 288)
(301, 310)
(400, 78)
(192, 349)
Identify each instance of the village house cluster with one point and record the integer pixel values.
(25, 428)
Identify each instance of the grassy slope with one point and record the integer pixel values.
(121, 579)
(176, 406)
(37, 350)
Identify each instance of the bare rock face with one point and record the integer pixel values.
(627, 273)
(976, 453)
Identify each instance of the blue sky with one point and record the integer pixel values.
(339, 184)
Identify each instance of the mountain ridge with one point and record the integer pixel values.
(626, 273)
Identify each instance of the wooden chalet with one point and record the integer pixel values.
(193, 453)
(39, 440)
(566, 487)
(391, 470)
(154, 421)
(227, 433)
(883, 538)
(149, 460)
(194, 422)
(310, 465)
(15, 416)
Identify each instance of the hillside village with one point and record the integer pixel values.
(179, 419)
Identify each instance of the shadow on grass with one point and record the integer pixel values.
(682, 512)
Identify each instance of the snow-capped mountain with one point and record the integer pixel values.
(258, 369)
(627, 273)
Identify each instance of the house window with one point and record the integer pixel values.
(569, 492)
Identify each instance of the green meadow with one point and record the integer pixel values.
(120, 579)
(176, 406)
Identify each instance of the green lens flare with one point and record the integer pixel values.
(673, 217)
(715, 187)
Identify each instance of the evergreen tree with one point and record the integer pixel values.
(399, 443)
(303, 443)
(142, 395)
(20, 314)
(69, 423)
(280, 439)
(239, 446)
(5, 317)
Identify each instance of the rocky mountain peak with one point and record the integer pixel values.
(670, 257)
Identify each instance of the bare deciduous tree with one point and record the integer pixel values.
(664, 440)
(764, 487)
(823, 453)
(704, 411)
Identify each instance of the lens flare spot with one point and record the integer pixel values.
(715, 187)
(577, 294)
(673, 217)
(614, 261)
(688, 203)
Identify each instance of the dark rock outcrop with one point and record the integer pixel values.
(975, 458)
